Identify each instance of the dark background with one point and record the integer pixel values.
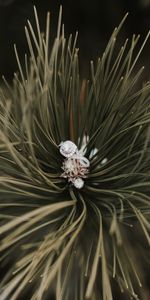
(94, 20)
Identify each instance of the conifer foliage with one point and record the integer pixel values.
(55, 237)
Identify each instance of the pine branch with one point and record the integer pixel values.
(76, 242)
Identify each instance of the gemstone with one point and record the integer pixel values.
(67, 148)
(78, 183)
(75, 164)
(84, 162)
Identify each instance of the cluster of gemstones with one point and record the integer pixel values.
(75, 165)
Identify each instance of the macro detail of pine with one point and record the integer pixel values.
(77, 244)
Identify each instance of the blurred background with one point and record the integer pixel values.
(94, 20)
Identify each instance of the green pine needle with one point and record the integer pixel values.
(56, 238)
